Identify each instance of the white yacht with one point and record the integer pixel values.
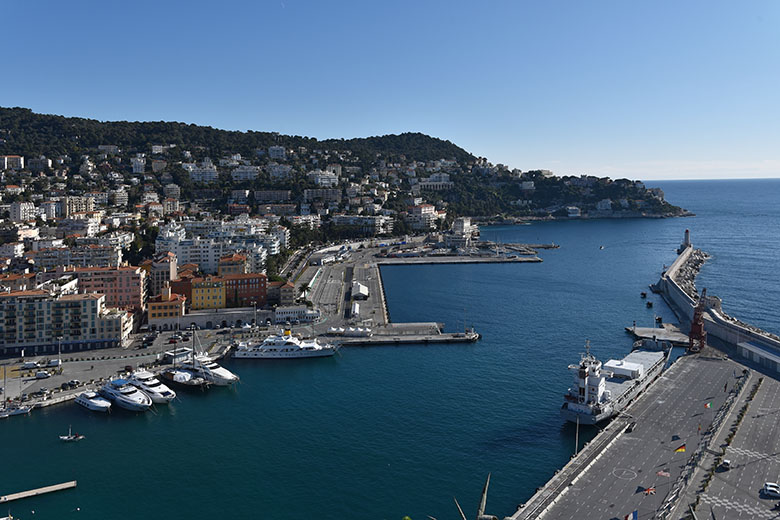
(203, 366)
(152, 386)
(126, 395)
(92, 401)
(285, 346)
(15, 409)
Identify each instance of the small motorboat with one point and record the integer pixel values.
(71, 437)
(92, 401)
(649, 304)
(643, 294)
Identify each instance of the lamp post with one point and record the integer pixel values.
(59, 353)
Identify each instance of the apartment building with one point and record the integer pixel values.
(208, 293)
(40, 323)
(80, 256)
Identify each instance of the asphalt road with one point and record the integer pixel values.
(667, 416)
(755, 458)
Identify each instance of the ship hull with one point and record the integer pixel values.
(619, 404)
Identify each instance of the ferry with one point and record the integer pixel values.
(602, 391)
(284, 346)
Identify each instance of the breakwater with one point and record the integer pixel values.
(677, 286)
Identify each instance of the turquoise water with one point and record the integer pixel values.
(385, 432)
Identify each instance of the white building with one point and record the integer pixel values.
(172, 191)
(245, 173)
(22, 211)
(118, 197)
(604, 205)
(324, 179)
(48, 324)
(277, 152)
(370, 225)
(79, 256)
(139, 163)
(12, 250)
(206, 172)
(278, 171)
(436, 182)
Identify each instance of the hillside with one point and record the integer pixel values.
(25, 132)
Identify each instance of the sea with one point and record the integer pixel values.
(386, 432)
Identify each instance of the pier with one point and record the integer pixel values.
(38, 491)
(610, 477)
(667, 332)
(662, 456)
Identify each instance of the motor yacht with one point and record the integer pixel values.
(205, 367)
(152, 386)
(92, 401)
(284, 346)
(126, 396)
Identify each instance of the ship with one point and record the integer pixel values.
(603, 391)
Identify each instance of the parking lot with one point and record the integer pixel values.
(754, 455)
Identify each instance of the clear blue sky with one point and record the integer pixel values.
(649, 90)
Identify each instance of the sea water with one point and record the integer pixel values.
(383, 432)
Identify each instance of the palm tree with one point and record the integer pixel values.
(304, 289)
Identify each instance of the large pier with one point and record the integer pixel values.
(662, 457)
(330, 288)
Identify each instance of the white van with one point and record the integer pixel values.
(54, 363)
(42, 374)
(29, 364)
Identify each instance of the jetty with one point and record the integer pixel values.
(667, 332)
(39, 491)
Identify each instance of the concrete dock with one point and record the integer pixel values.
(611, 475)
(667, 332)
(36, 492)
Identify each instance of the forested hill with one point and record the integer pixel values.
(24, 132)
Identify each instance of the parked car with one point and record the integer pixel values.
(73, 383)
(771, 489)
(42, 374)
(172, 341)
(725, 465)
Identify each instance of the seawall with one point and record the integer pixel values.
(681, 275)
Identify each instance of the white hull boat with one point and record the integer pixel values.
(151, 386)
(126, 396)
(92, 401)
(215, 374)
(284, 346)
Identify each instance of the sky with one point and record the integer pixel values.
(643, 90)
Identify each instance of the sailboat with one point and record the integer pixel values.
(71, 437)
(203, 366)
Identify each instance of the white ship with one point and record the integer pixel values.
(125, 395)
(600, 392)
(152, 387)
(284, 346)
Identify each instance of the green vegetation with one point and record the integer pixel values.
(30, 134)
